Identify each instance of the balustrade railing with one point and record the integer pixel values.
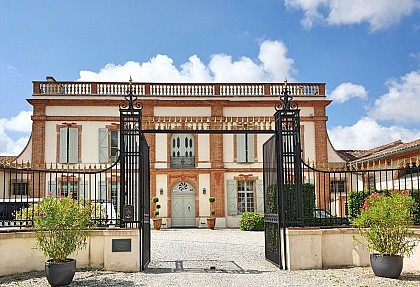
(176, 89)
(119, 88)
(157, 123)
(242, 90)
(181, 89)
(70, 88)
(297, 89)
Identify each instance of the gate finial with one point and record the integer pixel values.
(130, 98)
(286, 99)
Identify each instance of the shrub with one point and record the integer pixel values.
(252, 221)
(385, 221)
(415, 193)
(357, 199)
(61, 226)
(155, 200)
(211, 200)
(290, 202)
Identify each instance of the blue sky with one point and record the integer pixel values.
(367, 53)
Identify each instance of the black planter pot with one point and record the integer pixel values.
(60, 273)
(389, 266)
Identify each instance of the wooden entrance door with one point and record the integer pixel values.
(183, 206)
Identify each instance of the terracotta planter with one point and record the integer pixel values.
(60, 273)
(157, 223)
(211, 222)
(389, 266)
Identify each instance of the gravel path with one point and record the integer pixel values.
(225, 257)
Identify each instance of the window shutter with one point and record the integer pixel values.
(83, 190)
(102, 191)
(260, 196)
(251, 157)
(52, 188)
(63, 145)
(232, 200)
(240, 148)
(103, 145)
(73, 145)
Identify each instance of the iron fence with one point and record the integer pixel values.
(333, 196)
(22, 186)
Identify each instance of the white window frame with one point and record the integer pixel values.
(245, 148)
(338, 186)
(69, 145)
(16, 185)
(70, 186)
(182, 151)
(246, 196)
(108, 147)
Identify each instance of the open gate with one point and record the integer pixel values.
(135, 174)
(282, 180)
(282, 173)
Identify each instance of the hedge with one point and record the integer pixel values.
(308, 194)
(357, 198)
(252, 221)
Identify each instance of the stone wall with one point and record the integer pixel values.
(18, 255)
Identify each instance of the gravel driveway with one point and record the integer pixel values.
(223, 257)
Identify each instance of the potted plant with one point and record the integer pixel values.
(385, 221)
(157, 222)
(61, 228)
(211, 221)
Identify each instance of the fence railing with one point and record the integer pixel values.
(331, 195)
(21, 187)
(335, 196)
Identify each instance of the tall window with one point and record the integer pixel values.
(67, 187)
(245, 196)
(115, 193)
(69, 145)
(109, 143)
(245, 148)
(20, 188)
(371, 183)
(338, 186)
(114, 144)
(182, 151)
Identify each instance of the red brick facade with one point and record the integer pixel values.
(217, 103)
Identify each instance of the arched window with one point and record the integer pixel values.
(182, 151)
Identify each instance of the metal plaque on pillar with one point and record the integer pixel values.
(128, 213)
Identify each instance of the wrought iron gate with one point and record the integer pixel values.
(135, 174)
(282, 180)
(282, 176)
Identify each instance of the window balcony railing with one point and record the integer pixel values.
(182, 162)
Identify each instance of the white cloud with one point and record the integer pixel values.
(367, 133)
(402, 102)
(379, 14)
(275, 62)
(415, 57)
(346, 91)
(21, 124)
(272, 65)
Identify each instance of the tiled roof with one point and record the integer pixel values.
(7, 158)
(396, 147)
